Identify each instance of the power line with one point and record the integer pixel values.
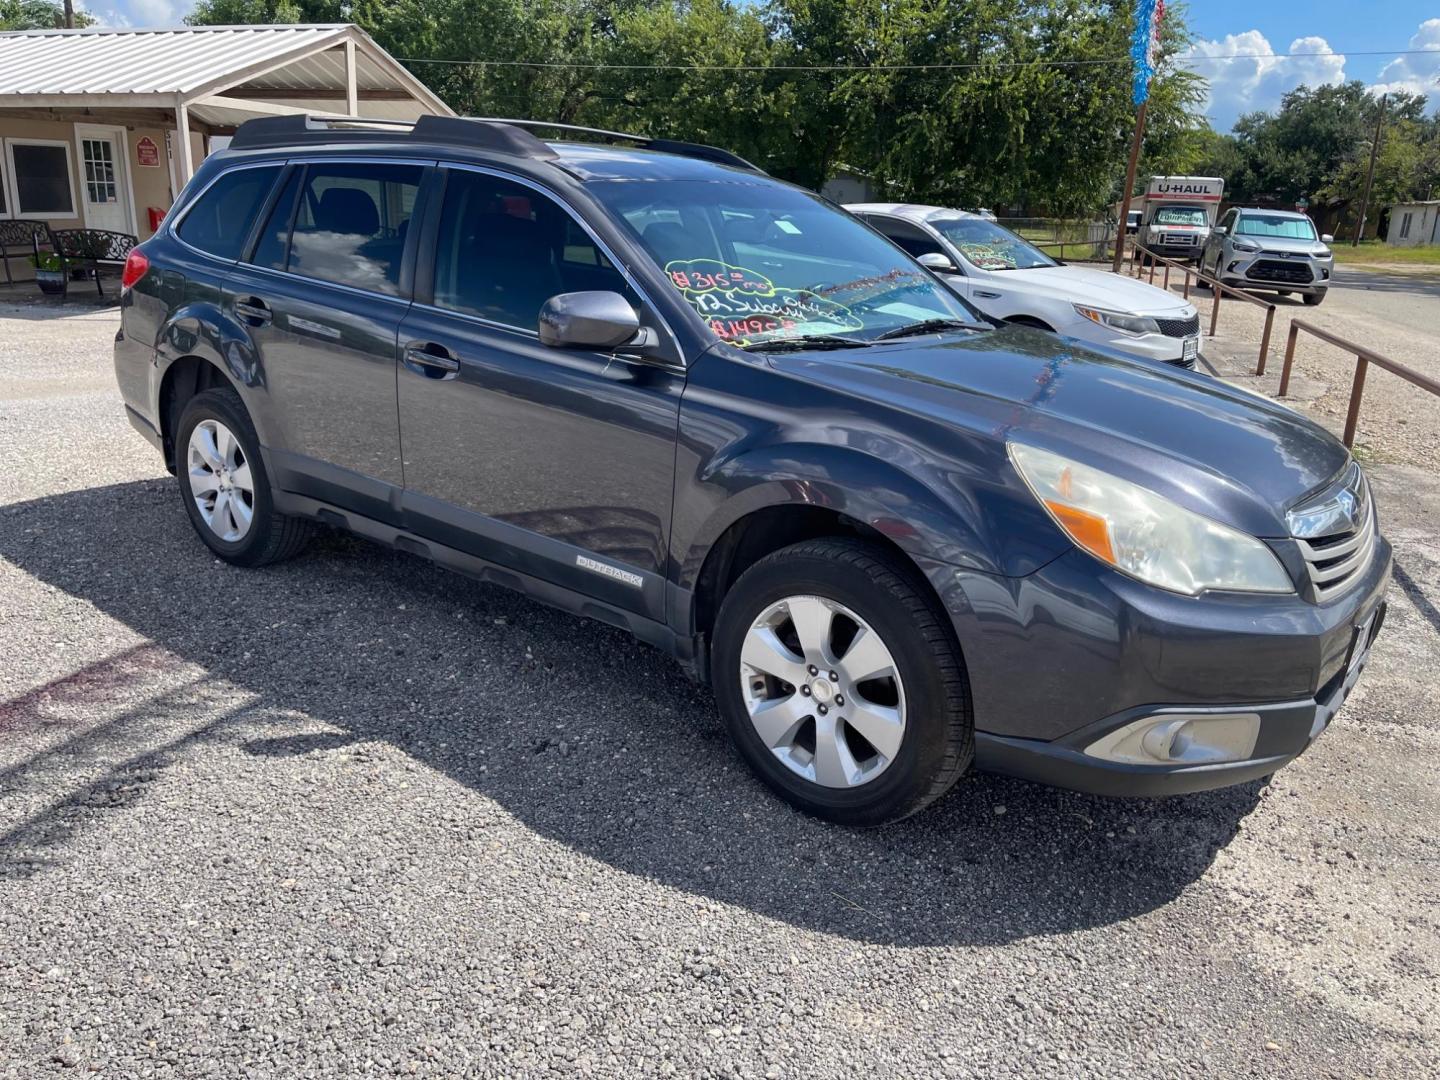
(1183, 59)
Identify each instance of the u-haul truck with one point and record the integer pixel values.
(1178, 214)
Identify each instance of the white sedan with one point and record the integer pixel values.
(1008, 278)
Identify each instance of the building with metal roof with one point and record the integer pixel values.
(101, 128)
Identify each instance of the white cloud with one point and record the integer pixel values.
(1416, 74)
(1246, 74)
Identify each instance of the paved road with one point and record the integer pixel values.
(1407, 301)
(353, 816)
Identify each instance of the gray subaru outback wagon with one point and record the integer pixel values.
(643, 381)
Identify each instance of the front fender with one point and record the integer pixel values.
(979, 528)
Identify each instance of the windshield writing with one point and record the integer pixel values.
(764, 261)
(989, 246)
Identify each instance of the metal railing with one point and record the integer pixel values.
(1363, 359)
(1216, 288)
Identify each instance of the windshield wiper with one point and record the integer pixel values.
(929, 326)
(805, 342)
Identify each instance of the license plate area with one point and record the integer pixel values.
(1190, 349)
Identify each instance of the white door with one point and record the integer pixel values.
(104, 178)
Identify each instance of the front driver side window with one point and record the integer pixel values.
(915, 240)
(503, 249)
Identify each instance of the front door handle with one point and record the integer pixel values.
(254, 309)
(431, 360)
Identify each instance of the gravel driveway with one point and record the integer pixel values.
(355, 816)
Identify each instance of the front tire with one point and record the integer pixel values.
(841, 684)
(1314, 299)
(224, 486)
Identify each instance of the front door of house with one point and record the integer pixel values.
(103, 179)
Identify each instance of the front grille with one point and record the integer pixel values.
(1339, 557)
(1177, 240)
(1274, 270)
(1180, 328)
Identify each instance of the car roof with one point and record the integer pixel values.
(1273, 213)
(910, 211)
(601, 161)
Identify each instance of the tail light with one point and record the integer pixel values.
(136, 267)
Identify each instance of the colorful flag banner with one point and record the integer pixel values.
(1146, 44)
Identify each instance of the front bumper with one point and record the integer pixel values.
(1169, 350)
(1284, 273)
(1075, 652)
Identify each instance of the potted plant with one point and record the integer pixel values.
(49, 272)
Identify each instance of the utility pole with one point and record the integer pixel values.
(1121, 228)
(69, 14)
(1370, 173)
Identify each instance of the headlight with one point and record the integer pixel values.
(1246, 245)
(1322, 253)
(1145, 535)
(1116, 320)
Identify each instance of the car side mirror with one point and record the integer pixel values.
(938, 263)
(1327, 238)
(1219, 230)
(588, 320)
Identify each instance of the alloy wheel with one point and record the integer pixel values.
(220, 481)
(823, 691)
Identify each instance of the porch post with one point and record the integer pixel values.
(352, 92)
(182, 130)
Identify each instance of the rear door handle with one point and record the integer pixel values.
(252, 307)
(431, 360)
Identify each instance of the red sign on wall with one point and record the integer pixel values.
(146, 152)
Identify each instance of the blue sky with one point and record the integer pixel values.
(1243, 83)
(1230, 33)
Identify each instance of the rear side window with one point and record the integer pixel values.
(349, 227)
(220, 220)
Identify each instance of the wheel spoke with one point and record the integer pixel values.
(241, 477)
(778, 720)
(766, 653)
(219, 515)
(834, 765)
(240, 512)
(867, 658)
(224, 443)
(812, 618)
(880, 724)
(202, 481)
(209, 449)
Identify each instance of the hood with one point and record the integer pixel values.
(1283, 243)
(1210, 447)
(1098, 288)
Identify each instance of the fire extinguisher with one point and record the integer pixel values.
(156, 216)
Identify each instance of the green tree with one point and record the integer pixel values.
(38, 15)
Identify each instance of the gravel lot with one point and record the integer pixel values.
(1394, 311)
(355, 816)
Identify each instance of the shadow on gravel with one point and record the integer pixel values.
(584, 735)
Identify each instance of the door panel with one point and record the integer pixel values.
(104, 184)
(327, 340)
(557, 462)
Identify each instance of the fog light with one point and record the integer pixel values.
(1181, 739)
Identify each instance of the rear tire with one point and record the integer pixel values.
(891, 743)
(224, 486)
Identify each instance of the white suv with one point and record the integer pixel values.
(1008, 278)
(1270, 249)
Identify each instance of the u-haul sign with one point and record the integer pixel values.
(1191, 188)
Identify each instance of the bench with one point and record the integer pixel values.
(90, 249)
(18, 239)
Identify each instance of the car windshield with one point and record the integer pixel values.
(764, 262)
(989, 246)
(1180, 215)
(1277, 226)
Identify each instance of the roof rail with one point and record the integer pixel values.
(303, 129)
(667, 146)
